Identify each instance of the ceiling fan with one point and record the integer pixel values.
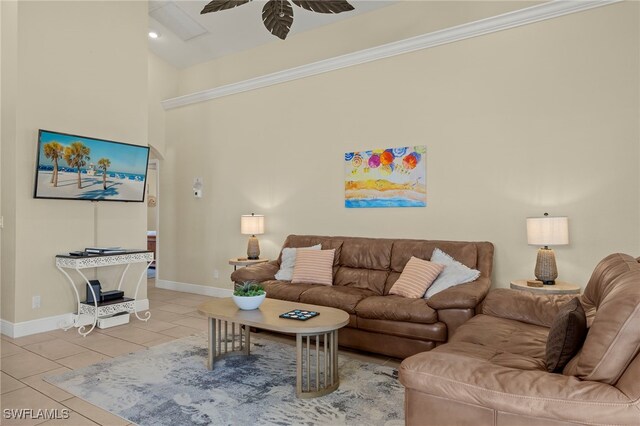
(277, 15)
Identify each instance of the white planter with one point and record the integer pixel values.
(248, 303)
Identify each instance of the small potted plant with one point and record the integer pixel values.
(249, 295)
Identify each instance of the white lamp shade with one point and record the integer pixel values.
(251, 224)
(548, 231)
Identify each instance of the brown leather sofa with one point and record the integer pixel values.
(364, 271)
(492, 372)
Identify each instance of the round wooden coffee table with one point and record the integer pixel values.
(316, 338)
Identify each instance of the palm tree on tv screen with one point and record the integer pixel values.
(54, 151)
(104, 164)
(76, 155)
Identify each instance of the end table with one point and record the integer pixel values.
(560, 287)
(243, 261)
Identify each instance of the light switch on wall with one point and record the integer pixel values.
(197, 187)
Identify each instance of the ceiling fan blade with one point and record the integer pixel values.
(324, 6)
(277, 16)
(217, 5)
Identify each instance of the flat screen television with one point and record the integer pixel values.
(72, 167)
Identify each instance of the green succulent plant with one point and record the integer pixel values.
(248, 289)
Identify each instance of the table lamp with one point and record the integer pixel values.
(547, 231)
(252, 224)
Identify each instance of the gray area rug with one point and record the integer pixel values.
(170, 385)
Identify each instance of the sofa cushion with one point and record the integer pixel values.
(396, 308)
(494, 355)
(369, 279)
(314, 267)
(505, 336)
(566, 335)
(482, 377)
(436, 332)
(464, 252)
(284, 290)
(327, 243)
(613, 339)
(345, 298)
(366, 253)
(416, 277)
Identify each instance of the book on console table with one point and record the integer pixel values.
(105, 250)
(83, 254)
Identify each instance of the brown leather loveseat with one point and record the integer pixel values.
(492, 372)
(364, 271)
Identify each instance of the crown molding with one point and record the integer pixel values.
(493, 24)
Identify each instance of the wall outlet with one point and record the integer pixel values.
(35, 302)
(216, 274)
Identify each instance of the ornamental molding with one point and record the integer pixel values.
(529, 15)
(107, 310)
(98, 261)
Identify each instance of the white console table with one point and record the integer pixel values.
(88, 314)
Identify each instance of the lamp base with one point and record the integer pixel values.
(253, 248)
(546, 269)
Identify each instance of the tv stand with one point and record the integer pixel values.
(88, 313)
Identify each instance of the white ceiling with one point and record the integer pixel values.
(188, 38)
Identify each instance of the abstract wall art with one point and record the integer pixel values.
(393, 177)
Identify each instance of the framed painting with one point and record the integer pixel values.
(393, 177)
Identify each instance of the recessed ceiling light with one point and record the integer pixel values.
(153, 34)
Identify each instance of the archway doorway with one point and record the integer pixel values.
(153, 211)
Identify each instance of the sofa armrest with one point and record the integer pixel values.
(463, 296)
(537, 309)
(260, 272)
(534, 393)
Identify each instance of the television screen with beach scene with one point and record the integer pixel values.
(75, 167)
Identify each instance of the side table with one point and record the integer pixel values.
(89, 313)
(560, 287)
(243, 261)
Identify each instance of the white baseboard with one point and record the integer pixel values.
(42, 325)
(194, 288)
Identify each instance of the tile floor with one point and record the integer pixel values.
(24, 361)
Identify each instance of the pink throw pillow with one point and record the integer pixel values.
(314, 267)
(416, 278)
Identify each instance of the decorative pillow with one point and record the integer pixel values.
(288, 261)
(416, 277)
(314, 266)
(566, 335)
(455, 273)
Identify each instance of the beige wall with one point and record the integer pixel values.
(151, 191)
(8, 82)
(82, 69)
(537, 118)
(163, 84)
(399, 21)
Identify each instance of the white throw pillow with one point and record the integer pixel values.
(288, 261)
(455, 273)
